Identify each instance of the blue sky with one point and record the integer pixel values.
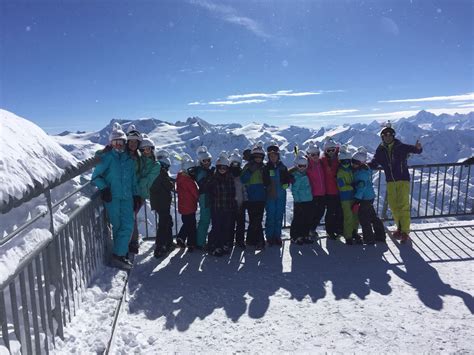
(78, 64)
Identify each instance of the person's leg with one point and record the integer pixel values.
(192, 231)
(126, 227)
(330, 218)
(296, 223)
(252, 229)
(365, 222)
(204, 220)
(260, 209)
(270, 219)
(348, 218)
(403, 195)
(393, 202)
(319, 206)
(280, 211)
(240, 221)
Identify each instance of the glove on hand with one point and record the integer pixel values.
(106, 194)
(355, 207)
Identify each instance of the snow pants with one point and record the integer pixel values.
(372, 227)
(319, 203)
(255, 230)
(333, 218)
(239, 223)
(275, 210)
(204, 220)
(302, 221)
(222, 229)
(121, 217)
(134, 240)
(164, 233)
(187, 231)
(351, 222)
(398, 196)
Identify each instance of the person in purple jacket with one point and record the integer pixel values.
(392, 155)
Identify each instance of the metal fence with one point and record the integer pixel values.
(44, 293)
(42, 296)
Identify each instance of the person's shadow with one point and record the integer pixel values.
(426, 280)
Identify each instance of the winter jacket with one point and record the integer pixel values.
(252, 178)
(149, 171)
(188, 194)
(364, 189)
(316, 178)
(116, 171)
(393, 159)
(276, 180)
(222, 192)
(160, 192)
(330, 167)
(345, 180)
(240, 190)
(300, 186)
(203, 176)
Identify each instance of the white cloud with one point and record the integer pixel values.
(401, 114)
(323, 114)
(230, 102)
(466, 105)
(194, 103)
(229, 14)
(463, 97)
(276, 95)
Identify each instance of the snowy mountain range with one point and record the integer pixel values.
(445, 138)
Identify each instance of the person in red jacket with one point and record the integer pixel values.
(188, 196)
(330, 162)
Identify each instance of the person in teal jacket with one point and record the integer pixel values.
(150, 167)
(116, 179)
(345, 182)
(372, 227)
(203, 176)
(303, 202)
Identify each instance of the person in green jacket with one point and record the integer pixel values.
(345, 181)
(134, 139)
(150, 167)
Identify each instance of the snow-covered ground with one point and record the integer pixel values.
(311, 298)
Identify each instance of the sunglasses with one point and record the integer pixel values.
(387, 134)
(118, 142)
(222, 167)
(314, 155)
(356, 162)
(206, 160)
(302, 166)
(331, 150)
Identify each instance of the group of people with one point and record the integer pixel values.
(335, 183)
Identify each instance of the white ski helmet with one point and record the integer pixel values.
(117, 133)
(163, 157)
(235, 157)
(187, 162)
(146, 142)
(203, 153)
(301, 159)
(258, 150)
(360, 155)
(133, 133)
(223, 159)
(345, 153)
(313, 149)
(329, 143)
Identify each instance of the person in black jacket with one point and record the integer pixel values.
(223, 207)
(160, 201)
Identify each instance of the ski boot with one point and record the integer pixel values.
(120, 262)
(180, 243)
(405, 237)
(160, 252)
(397, 234)
(308, 240)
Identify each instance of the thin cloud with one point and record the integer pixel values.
(463, 97)
(229, 102)
(194, 103)
(324, 114)
(276, 95)
(229, 14)
(409, 113)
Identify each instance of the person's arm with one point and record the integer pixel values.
(99, 171)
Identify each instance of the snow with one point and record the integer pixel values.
(326, 297)
(28, 156)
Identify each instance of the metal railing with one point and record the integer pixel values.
(42, 296)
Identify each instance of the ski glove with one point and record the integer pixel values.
(106, 194)
(355, 207)
(137, 203)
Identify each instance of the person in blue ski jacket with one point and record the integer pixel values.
(276, 179)
(372, 227)
(115, 177)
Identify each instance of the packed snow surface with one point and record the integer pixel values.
(312, 298)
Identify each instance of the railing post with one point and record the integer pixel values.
(54, 269)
